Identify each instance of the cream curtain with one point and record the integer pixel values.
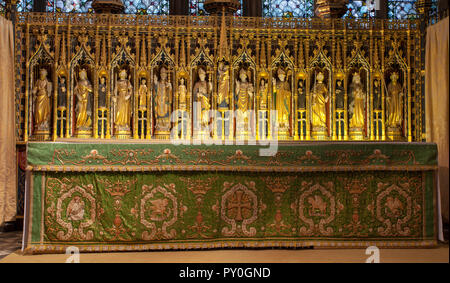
(7, 125)
(436, 101)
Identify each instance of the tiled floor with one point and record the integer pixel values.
(10, 242)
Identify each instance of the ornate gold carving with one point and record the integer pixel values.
(64, 44)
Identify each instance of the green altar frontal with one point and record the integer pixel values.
(141, 196)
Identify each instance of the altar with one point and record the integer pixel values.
(147, 196)
(189, 132)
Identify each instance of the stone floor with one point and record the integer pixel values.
(10, 242)
(433, 255)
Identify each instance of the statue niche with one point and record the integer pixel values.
(143, 95)
(202, 92)
(377, 131)
(182, 108)
(83, 94)
(61, 112)
(122, 105)
(262, 102)
(340, 95)
(243, 97)
(357, 108)
(182, 95)
(319, 113)
(142, 106)
(162, 103)
(301, 95)
(376, 95)
(301, 117)
(282, 102)
(263, 95)
(41, 92)
(223, 99)
(340, 109)
(394, 107)
(102, 107)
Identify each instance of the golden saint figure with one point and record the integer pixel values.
(121, 99)
(143, 93)
(182, 95)
(202, 91)
(357, 120)
(163, 98)
(83, 109)
(394, 102)
(263, 89)
(319, 100)
(282, 93)
(244, 94)
(224, 86)
(42, 92)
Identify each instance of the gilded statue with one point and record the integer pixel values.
(301, 95)
(182, 95)
(143, 94)
(244, 95)
(262, 97)
(202, 92)
(340, 95)
(163, 100)
(122, 99)
(61, 110)
(357, 105)
(224, 86)
(318, 105)
(62, 92)
(282, 98)
(102, 93)
(376, 95)
(394, 102)
(83, 110)
(41, 97)
(102, 116)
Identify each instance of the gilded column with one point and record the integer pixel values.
(308, 90)
(408, 52)
(27, 83)
(69, 116)
(383, 87)
(55, 84)
(135, 126)
(150, 96)
(370, 89)
(95, 83)
(333, 85)
(344, 62)
(108, 87)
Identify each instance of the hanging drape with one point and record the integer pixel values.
(436, 101)
(8, 168)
